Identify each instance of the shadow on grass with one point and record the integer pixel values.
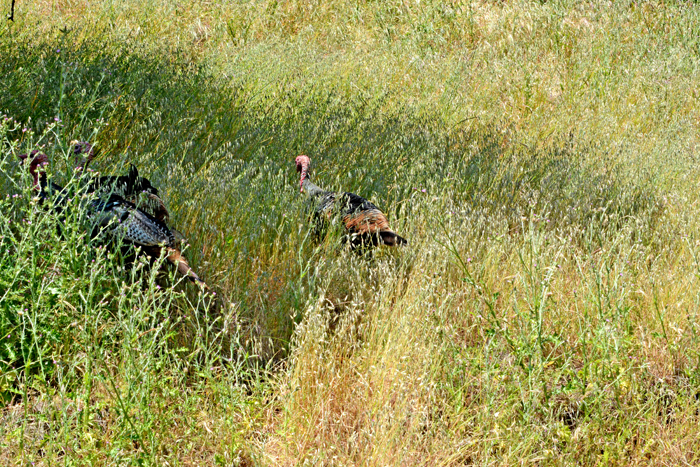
(221, 152)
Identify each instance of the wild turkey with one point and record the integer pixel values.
(118, 217)
(131, 186)
(364, 221)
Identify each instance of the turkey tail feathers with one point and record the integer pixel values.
(390, 238)
(401, 241)
(176, 258)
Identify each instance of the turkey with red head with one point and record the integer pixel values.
(37, 168)
(365, 223)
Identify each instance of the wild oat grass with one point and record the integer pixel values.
(540, 157)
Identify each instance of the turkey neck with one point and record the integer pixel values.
(40, 181)
(311, 188)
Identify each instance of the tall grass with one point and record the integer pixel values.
(539, 158)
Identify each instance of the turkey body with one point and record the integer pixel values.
(365, 223)
(123, 219)
(124, 185)
(130, 187)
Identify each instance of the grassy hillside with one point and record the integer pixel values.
(540, 157)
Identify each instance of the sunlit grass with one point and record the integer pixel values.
(539, 157)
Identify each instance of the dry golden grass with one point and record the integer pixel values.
(539, 157)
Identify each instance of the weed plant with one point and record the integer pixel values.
(540, 158)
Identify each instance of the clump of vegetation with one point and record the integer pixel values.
(539, 157)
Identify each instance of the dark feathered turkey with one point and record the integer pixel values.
(365, 223)
(119, 217)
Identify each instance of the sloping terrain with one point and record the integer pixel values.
(540, 158)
